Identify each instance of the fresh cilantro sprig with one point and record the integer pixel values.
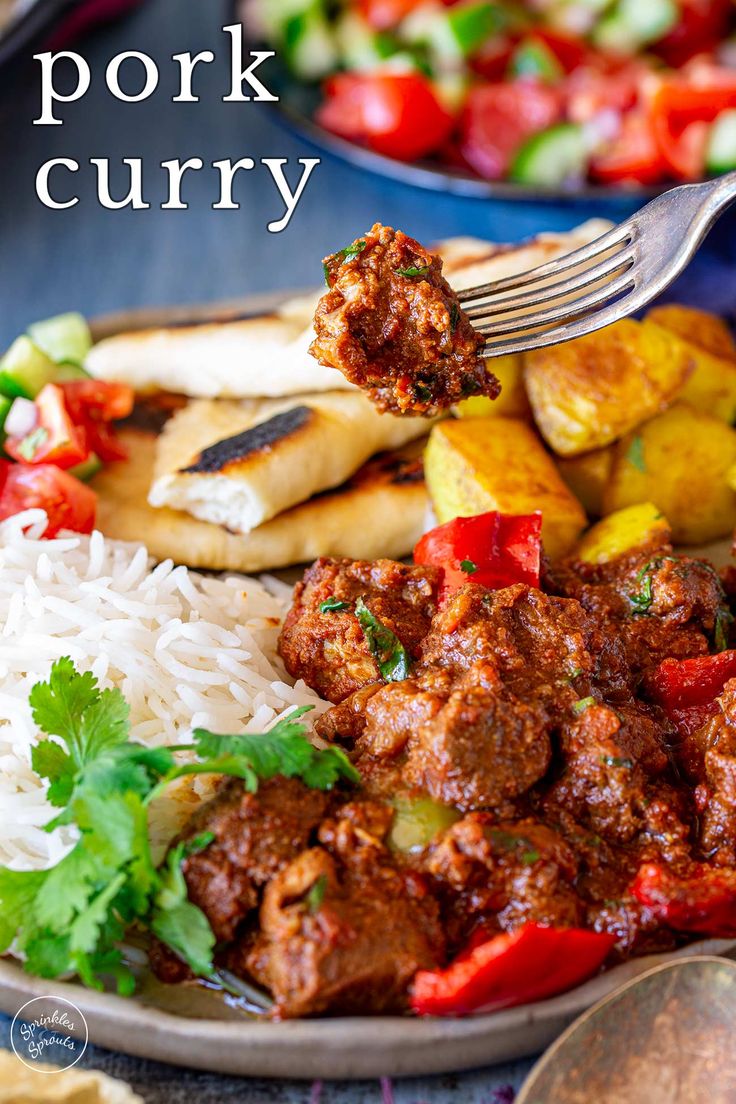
(72, 917)
(389, 653)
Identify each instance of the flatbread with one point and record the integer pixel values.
(238, 464)
(380, 511)
(268, 355)
(44, 1084)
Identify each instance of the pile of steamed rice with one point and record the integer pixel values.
(185, 649)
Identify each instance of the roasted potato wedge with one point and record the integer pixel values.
(478, 464)
(587, 476)
(702, 328)
(623, 530)
(589, 392)
(511, 403)
(680, 461)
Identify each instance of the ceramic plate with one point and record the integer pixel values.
(195, 1027)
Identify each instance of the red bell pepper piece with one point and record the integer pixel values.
(55, 439)
(687, 688)
(529, 964)
(703, 902)
(492, 549)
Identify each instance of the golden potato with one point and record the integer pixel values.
(632, 527)
(511, 403)
(587, 476)
(589, 392)
(680, 461)
(478, 464)
(711, 386)
(704, 329)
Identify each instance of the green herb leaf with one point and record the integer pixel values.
(635, 454)
(333, 605)
(724, 620)
(582, 704)
(454, 316)
(316, 894)
(385, 647)
(413, 270)
(528, 858)
(468, 567)
(616, 761)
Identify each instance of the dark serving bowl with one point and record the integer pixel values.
(58, 21)
(296, 107)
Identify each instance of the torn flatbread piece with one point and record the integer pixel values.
(213, 352)
(239, 464)
(393, 326)
(379, 511)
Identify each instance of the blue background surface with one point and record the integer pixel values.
(94, 260)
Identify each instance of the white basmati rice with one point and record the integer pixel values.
(187, 651)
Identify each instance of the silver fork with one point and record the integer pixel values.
(611, 277)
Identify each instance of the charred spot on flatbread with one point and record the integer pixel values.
(259, 438)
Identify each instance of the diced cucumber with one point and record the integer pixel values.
(551, 157)
(720, 155)
(632, 24)
(274, 15)
(359, 46)
(87, 469)
(25, 369)
(5, 405)
(452, 34)
(533, 58)
(417, 821)
(309, 45)
(65, 338)
(66, 372)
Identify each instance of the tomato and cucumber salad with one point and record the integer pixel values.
(56, 424)
(618, 92)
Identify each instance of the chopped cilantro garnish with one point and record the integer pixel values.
(724, 620)
(386, 648)
(582, 704)
(72, 917)
(316, 894)
(413, 270)
(635, 454)
(528, 858)
(575, 673)
(31, 443)
(468, 567)
(333, 605)
(342, 255)
(616, 761)
(642, 599)
(422, 392)
(454, 316)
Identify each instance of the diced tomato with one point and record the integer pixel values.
(94, 404)
(634, 155)
(571, 52)
(396, 114)
(704, 901)
(386, 14)
(108, 401)
(701, 26)
(680, 109)
(591, 90)
(498, 118)
(494, 550)
(55, 438)
(492, 60)
(529, 964)
(68, 503)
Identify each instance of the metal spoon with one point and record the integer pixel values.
(666, 1037)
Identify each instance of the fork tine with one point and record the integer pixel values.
(557, 335)
(588, 276)
(563, 311)
(619, 235)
